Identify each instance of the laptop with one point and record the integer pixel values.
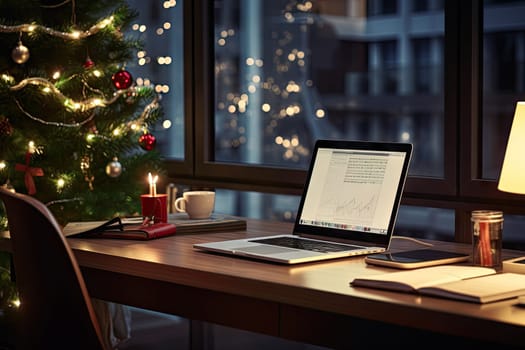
(348, 207)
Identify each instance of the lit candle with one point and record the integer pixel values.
(152, 184)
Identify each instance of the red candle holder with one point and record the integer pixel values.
(154, 208)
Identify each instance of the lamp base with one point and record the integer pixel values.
(516, 265)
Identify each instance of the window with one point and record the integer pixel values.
(297, 72)
(161, 63)
(503, 78)
(292, 74)
(270, 77)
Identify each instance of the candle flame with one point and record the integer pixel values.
(152, 184)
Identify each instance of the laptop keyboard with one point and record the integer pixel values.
(305, 244)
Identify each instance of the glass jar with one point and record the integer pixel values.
(487, 229)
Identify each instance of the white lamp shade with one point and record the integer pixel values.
(512, 177)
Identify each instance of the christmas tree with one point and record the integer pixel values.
(75, 129)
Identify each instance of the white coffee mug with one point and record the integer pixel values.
(197, 204)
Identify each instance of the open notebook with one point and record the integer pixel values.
(348, 207)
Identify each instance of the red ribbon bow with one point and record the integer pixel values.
(29, 173)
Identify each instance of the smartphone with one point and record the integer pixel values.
(413, 259)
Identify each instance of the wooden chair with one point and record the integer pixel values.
(56, 309)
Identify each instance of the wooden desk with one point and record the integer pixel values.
(311, 303)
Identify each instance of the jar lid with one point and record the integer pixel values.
(486, 215)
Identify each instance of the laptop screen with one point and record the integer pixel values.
(353, 189)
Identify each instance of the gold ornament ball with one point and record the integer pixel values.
(20, 54)
(114, 168)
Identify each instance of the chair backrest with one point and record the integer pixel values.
(56, 311)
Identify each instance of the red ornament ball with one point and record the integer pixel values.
(147, 141)
(122, 80)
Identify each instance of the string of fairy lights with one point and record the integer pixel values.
(85, 111)
(47, 85)
(73, 35)
(280, 92)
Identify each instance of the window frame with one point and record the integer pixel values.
(460, 188)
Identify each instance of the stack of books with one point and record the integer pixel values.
(134, 228)
(215, 223)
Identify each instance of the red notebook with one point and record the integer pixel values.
(114, 228)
